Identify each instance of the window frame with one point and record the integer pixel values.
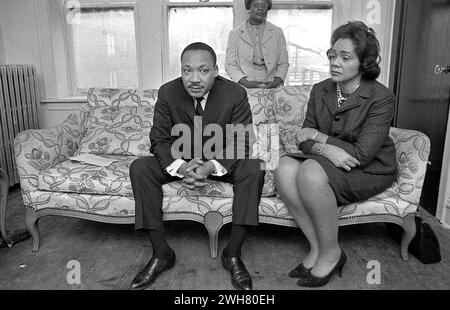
(305, 5)
(167, 5)
(69, 42)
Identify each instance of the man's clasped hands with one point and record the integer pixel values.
(195, 172)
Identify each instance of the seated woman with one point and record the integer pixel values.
(347, 153)
(256, 52)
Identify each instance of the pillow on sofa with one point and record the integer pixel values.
(118, 131)
(289, 108)
(261, 104)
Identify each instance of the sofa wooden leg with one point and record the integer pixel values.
(213, 223)
(409, 227)
(32, 225)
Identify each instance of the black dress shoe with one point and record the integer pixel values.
(240, 277)
(148, 275)
(299, 271)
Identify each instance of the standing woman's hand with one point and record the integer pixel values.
(248, 84)
(277, 82)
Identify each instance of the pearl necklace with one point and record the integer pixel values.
(340, 98)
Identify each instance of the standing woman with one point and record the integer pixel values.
(256, 54)
(347, 153)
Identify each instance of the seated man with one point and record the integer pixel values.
(200, 94)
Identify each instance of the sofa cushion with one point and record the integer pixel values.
(118, 131)
(77, 177)
(290, 105)
(261, 104)
(102, 97)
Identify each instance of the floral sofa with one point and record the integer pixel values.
(115, 124)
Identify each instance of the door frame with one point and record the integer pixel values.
(443, 204)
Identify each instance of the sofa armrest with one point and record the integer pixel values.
(39, 149)
(413, 150)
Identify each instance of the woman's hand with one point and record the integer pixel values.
(306, 134)
(340, 158)
(277, 82)
(249, 84)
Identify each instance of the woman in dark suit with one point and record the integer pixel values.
(347, 155)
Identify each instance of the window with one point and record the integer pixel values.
(102, 48)
(307, 32)
(138, 43)
(206, 22)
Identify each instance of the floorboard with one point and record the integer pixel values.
(110, 256)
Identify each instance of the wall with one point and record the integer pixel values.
(31, 34)
(20, 36)
(2, 49)
(19, 40)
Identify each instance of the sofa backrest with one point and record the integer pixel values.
(103, 97)
(277, 115)
(286, 107)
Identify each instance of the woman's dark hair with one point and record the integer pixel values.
(366, 44)
(200, 46)
(248, 3)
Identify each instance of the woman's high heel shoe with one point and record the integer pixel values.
(299, 272)
(312, 281)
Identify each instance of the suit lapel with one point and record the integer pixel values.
(212, 106)
(268, 33)
(351, 103)
(358, 97)
(330, 96)
(245, 36)
(355, 100)
(186, 105)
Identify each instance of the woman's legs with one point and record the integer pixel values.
(320, 203)
(285, 178)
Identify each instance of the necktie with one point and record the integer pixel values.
(198, 106)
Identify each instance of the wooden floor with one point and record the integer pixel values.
(111, 255)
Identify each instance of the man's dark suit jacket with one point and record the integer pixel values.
(227, 103)
(360, 127)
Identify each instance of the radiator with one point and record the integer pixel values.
(19, 110)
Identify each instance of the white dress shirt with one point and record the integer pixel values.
(219, 170)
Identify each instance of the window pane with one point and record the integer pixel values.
(210, 25)
(308, 33)
(275, 1)
(105, 48)
(200, 1)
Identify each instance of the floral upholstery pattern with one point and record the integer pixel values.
(39, 150)
(290, 105)
(50, 181)
(104, 97)
(77, 177)
(413, 150)
(261, 103)
(118, 131)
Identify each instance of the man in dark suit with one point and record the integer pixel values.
(199, 95)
